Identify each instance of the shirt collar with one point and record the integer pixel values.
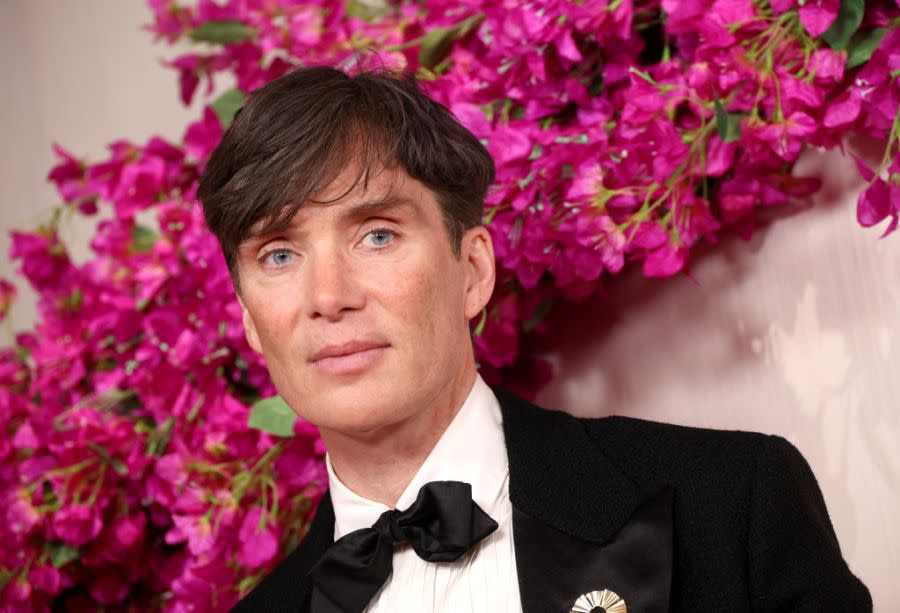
(472, 449)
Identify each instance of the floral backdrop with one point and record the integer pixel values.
(146, 461)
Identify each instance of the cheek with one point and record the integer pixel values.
(427, 305)
(272, 326)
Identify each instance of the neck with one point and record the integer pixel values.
(380, 465)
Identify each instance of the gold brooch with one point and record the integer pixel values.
(599, 601)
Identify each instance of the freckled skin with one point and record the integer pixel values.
(329, 280)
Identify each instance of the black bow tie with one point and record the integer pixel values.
(441, 525)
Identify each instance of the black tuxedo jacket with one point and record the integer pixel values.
(669, 518)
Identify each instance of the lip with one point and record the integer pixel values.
(348, 358)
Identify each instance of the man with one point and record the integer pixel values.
(349, 212)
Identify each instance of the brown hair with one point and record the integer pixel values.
(296, 134)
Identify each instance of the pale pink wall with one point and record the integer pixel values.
(793, 333)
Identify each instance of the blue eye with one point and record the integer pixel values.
(279, 257)
(380, 238)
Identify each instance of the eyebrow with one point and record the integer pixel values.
(382, 204)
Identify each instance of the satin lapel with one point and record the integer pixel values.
(568, 496)
(555, 569)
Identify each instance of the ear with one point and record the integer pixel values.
(249, 327)
(477, 251)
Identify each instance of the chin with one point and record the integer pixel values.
(360, 407)
(361, 420)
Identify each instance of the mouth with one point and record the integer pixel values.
(349, 358)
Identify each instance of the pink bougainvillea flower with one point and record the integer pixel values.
(196, 530)
(46, 579)
(188, 67)
(646, 235)
(876, 89)
(682, 14)
(127, 532)
(509, 144)
(215, 10)
(44, 261)
(70, 177)
(780, 6)
(138, 186)
(108, 587)
(202, 136)
(8, 295)
(259, 543)
(19, 590)
(827, 64)
(21, 516)
(604, 243)
(719, 156)
(694, 219)
(301, 464)
(25, 437)
(874, 204)
(842, 111)
(497, 340)
(797, 95)
(77, 524)
(665, 261)
(103, 177)
(881, 199)
(784, 138)
(818, 15)
(204, 587)
(171, 19)
(305, 25)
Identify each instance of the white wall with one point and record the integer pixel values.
(793, 333)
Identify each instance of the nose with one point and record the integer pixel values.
(332, 287)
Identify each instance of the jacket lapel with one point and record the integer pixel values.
(313, 546)
(580, 524)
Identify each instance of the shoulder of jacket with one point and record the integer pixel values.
(668, 432)
(682, 451)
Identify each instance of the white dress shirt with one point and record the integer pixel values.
(483, 580)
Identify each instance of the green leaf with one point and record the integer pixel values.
(367, 11)
(539, 314)
(227, 105)
(222, 32)
(73, 301)
(159, 438)
(642, 74)
(862, 47)
(273, 415)
(845, 24)
(480, 327)
(436, 44)
(728, 124)
(142, 239)
(5, 577)
(62, 553)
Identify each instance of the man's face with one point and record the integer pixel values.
(361, 308)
